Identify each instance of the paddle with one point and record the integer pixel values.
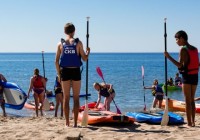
(143, 87)
(165, 118)
(84, 121)
(46, 105)
(101, 75)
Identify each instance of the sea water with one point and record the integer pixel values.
(122, 70)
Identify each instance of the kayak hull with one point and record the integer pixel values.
(98, 116)
(175, 105)
(155, 118)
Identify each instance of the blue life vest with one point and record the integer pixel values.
(69, 57)
(57, 84)
(157, 89)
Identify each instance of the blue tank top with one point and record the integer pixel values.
(69, 56)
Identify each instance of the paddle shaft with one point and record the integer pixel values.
(43, 63)
(87, 43)
(165, 118)
(43, 67)
(165, 36)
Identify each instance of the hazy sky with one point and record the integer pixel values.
(115, 25)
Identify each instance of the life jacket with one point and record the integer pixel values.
(157, 89)
(57, 84)
(193, 66)
(37, 82)
(69, 56)
(104, 92)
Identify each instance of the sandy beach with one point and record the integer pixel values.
(50, 128)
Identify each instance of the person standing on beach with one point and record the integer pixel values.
(188, 66)
(68, 62)
(38, 85)
(59, 96)
(2, 101)
(157, 92)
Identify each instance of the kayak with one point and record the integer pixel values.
(91, 106)
(175, 105)
(80, 95)
(100, 117)
(32, 106)
(172, 88)
(155, 118)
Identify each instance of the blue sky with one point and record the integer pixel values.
(115, 25)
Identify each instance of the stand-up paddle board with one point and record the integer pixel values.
(14, 96)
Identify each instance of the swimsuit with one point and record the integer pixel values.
(38, 90)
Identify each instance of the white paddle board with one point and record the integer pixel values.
(14, 96)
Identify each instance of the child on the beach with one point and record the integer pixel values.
(59, 96)
(157, 92)
(2, 101)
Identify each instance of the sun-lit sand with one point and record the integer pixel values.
(50, 128)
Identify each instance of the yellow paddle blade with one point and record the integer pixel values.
(46, 105)
(84, 121)
(165, 118)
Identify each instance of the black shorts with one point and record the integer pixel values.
(58, 90)
(159, 97)
(190, 79)
(70, 74)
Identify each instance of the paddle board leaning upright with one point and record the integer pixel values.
(46, 104)
(84, 121)
(101, 75)
(165, 118)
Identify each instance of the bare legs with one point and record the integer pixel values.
(3, 108)
(66, 94)
(189, 93)
(108, 100)
(59, 100)
(39, 98)
(76, 85)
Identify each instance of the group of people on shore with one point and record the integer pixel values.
(68, 58)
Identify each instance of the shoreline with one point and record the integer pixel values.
(46, 128)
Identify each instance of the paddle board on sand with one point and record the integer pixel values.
(14, 96)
